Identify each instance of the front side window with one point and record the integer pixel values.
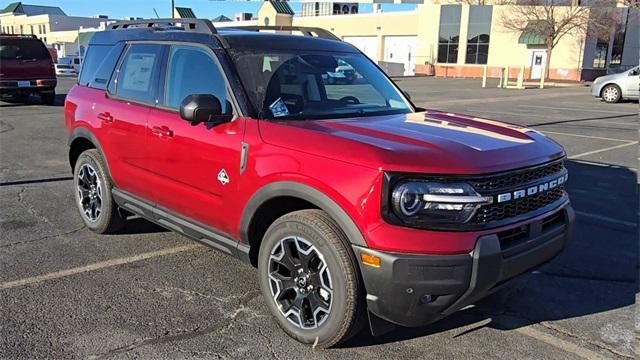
(449, 34)
(316, 85)
(478, 34)
(138, 73)
(193, 70)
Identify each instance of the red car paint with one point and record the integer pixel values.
(343, 159)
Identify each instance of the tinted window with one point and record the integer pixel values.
(449, 33)
(193, 70)
(16, 49)
(478, 34)
(98, 65)
(138, 73)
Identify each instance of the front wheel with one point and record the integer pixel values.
(309, 278)
(611, 94)
(93, 194)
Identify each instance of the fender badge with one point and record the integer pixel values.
(223, 177)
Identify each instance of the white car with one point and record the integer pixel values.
(68, 65)
(615, 87)
(65, 70)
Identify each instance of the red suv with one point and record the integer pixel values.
(352, 203)
(26, 68)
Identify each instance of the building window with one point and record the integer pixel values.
(600, 56)
(618, 39)
(478, 34)
(449, 33)
(21, 29)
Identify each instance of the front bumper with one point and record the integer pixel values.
(415, 290)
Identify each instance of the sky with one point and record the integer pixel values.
(119, 9)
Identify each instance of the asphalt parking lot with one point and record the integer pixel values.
(150, 293)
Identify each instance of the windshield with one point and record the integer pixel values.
(317, 85)
(16, 49)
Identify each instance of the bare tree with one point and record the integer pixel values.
(551, 20)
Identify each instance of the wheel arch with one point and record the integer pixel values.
(289, 196)
(82, 139)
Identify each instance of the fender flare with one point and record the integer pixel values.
(84, 133)
(304, 192)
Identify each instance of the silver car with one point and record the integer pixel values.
(615, 87)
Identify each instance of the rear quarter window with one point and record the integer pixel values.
(22, 49)
(98, 65)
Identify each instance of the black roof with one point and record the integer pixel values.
(229, 38)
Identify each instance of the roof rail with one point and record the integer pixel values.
(305, 30)
(188, 24)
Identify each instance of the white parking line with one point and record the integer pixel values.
(559, 343)
(629, 224)
(585, 136)
(577, 156)
(575, 109)
(96, 266)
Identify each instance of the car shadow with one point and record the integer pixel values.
(31, 100)
(594, 275)
(137, 226)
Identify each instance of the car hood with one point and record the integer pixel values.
(424, 142)
(610, 77)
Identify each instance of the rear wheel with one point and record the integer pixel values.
(611, 94)
(309, 278)
(93, 194)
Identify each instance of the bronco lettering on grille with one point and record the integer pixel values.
(532, 190)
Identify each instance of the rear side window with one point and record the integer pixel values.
(98, 64)
(138, 74)
(23, 49)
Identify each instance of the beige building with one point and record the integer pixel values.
(459, 40)
(48, 23)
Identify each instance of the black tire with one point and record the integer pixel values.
(108, 220)
(611, 93)
(48, 98)
(347, 307)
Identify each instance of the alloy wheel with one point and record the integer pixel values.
(610, 94)
(89, 192)
(300, 282)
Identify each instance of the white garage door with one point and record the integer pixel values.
(367, 44)
(401, 49)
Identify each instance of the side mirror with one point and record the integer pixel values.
(634, 72)
(203, 108)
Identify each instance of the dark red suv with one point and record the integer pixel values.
(352, 203)
(26, 68)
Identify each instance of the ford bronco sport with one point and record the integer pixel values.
(354, 205)
(26, 68)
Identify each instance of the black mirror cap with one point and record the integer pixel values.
(203, 108)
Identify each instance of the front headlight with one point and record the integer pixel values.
(423, 203)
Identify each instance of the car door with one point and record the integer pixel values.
(196, 167)
(132, 93)
(632, 83)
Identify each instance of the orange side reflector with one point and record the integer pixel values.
(370, 260)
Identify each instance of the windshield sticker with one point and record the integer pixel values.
(278, 108)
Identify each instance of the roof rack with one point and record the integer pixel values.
(188, 24)
(305, 30)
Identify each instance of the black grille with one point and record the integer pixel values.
(516, 178)
(496, 212)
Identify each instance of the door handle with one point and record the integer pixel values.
(105, 117)
(162, 131)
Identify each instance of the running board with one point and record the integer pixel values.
(184, 226)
